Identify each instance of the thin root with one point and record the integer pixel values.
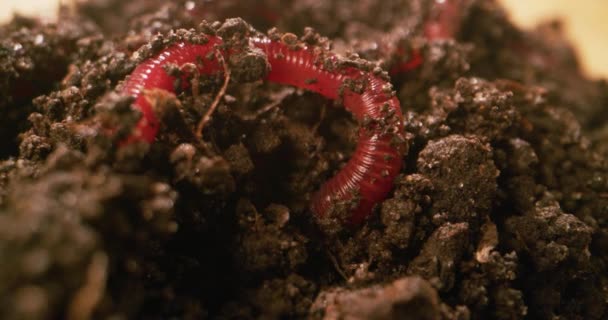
(321, 118)
(278, 100)
(216, 101)
(334, 261)
(195, 81)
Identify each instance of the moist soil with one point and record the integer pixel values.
(500, 212)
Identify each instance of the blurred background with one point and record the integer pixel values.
(585, 21)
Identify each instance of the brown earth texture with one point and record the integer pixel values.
(500, 211)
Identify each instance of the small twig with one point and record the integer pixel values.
(218, 97)
(258, 113)
(334, 261)
(278, 100)
(321, 118)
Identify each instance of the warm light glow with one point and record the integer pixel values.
(585, 22)
(43, 8)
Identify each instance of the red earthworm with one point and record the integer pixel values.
(369, 173)
(151, 75)
(412, 63)
(443, 23)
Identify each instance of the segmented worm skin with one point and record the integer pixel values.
(369, 173)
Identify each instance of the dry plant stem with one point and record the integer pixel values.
(90, 294)
(336, 265)
(218, 97)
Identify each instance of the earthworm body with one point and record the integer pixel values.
(367, 177)
(443, 23)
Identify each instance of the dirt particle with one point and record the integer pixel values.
(467, 163)
(405, 298)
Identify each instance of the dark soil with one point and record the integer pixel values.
(501, 211)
